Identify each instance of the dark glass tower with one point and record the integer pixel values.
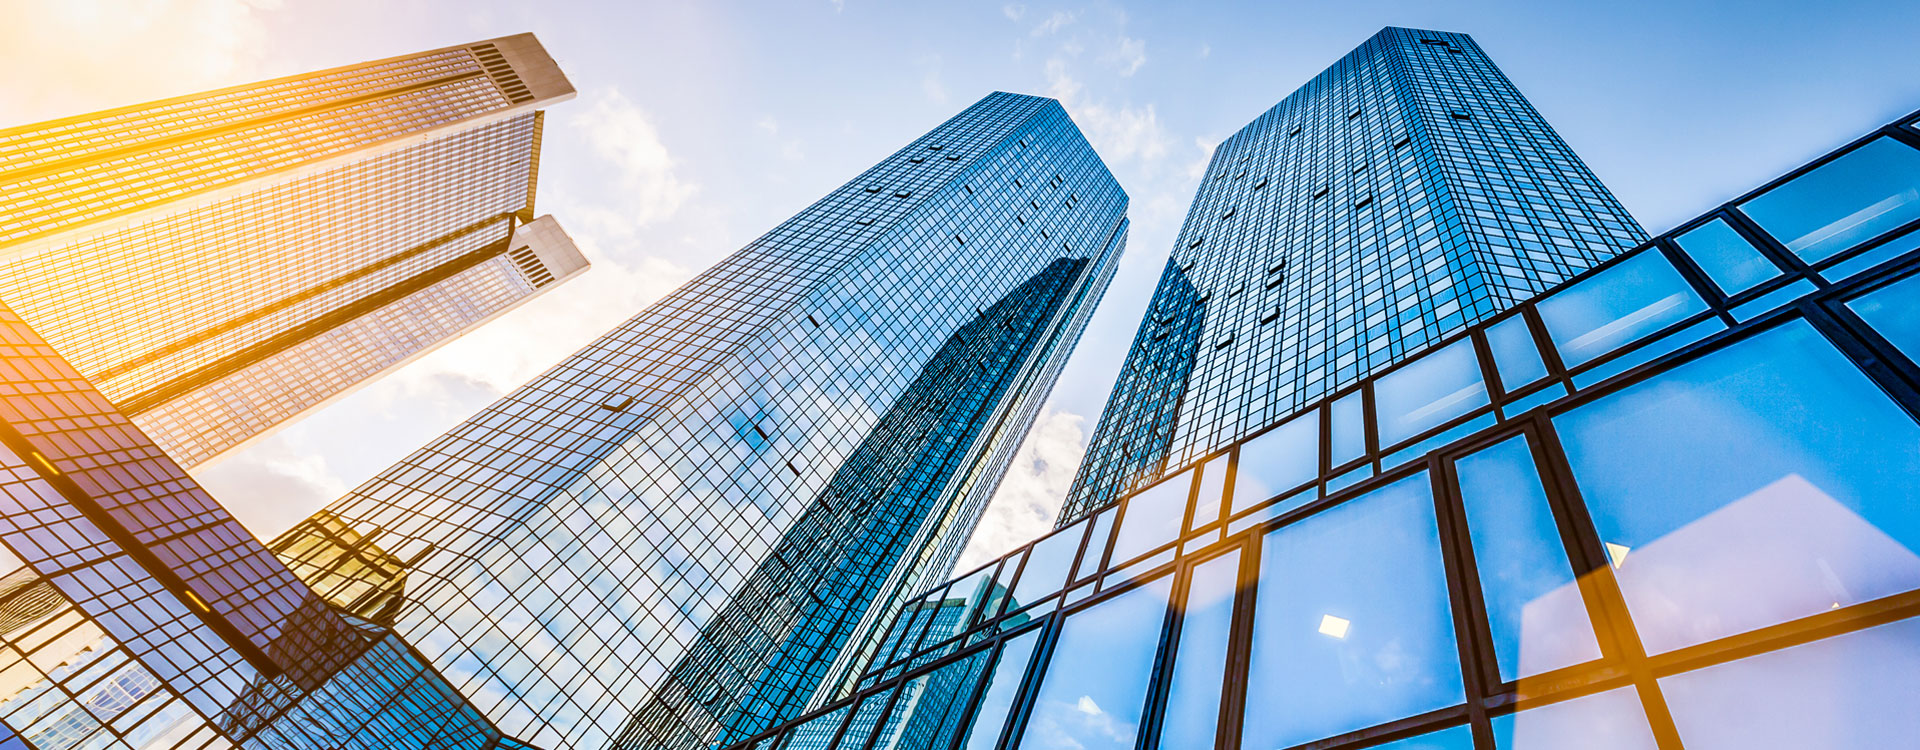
(1403, 194)
(669, 539)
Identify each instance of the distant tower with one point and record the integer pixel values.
(1405, 193)
(219, 263)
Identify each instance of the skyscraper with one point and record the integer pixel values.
(667, 539)
(1667, 503)
(219, 263)
(1403, 194)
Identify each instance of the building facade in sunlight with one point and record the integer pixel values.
(219, 263)
(676, 535)
(1403, 194)
(1668, 502)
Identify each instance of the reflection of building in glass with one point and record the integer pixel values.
(1667, 502)
(673, 535)
(219, 263)
(1407, 192)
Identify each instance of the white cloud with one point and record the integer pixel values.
(1036, 484)
(74, 56)
(1120, 134)
(1013, 11)
(1127, 56)
(1058, 20)
(270, 488)
(623, 136)
(1205, 50)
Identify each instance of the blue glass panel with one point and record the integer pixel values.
(1096, 545)
(1853, 691)
(1048, 562)
(1612, 720)
(1213, 486)
(1514, 354)
(1545, 395)
(1095, 684)
(1451, 738)
(989, 721)
(1152, 517)
(1537, 618)
(1764, 482)
(1352, 626)
(1268, 513)
(817, 732)
(1200, 661)
(1770, 301)
(1887, 251)
(1439, 386)
(1894, 311)
(1433, 442)
(1631, 299)
(1349, 479)
(1844, 202)
(866, 718)
(1280, 459)
(1649, 352)
(931, 710)
(1349, 438)
(1728, 258)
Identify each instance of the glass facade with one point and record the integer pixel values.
(675, 536)
(202, 259)
(1404, 194)
(1638, 511)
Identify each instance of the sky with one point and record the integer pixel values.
(700, 125)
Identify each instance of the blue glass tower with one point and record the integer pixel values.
(669, 539)
(1406, 192)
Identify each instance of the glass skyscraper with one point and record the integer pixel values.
(672, 537)
(1403, 194)
(1666, 503)
(219, 263)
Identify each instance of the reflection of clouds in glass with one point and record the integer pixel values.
(1783, 551)
(1612, 720)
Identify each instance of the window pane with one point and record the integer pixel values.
(1200, 662)
(818, 732)
(1856, 690)
(1213, 486)
(1612, 720)
(1453, 738)
(1894, 311)
(991, 718)
(1844, 202)
(1048, 563)
(1352, 626)
(1349, 438)
(1514, 353)
(1095, 683)
(1729, 259)
(1438, 386)
(1640, 295)
(865, 720)
(1152, 518)
(1538, 620)
(928, 714)
(1096, 545)
(1280, 459)
(1767, 481)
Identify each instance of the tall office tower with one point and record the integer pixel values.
(219, 263)
(1401, 195)
(136, 613)
(667, 539)
(1667, 503)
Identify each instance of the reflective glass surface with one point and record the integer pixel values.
(1279, 460)
(1728, 258)
(989, 721)
(931, 709)
(1152, 517)
(1850, 691)
(1213, 486)
(1348, 440)
(1538, 620)
(1437, 387)
(1096, 678)
(1352, 627)
(1736, 491)
(1612, 720)
(1514, 354)
(1452, 738)
(1894, 312)
(1844, 202)
(1633, 298)
(1048, 564)
(1200, 660)
(1096, 544)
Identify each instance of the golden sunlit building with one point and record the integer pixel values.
(222, 262)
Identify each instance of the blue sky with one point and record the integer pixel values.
(701, 125)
